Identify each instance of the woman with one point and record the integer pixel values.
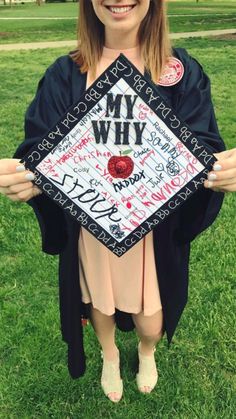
(138, 29)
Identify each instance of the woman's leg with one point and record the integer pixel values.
(104, 327)
(150, 331)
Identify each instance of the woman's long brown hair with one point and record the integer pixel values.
(153, 38)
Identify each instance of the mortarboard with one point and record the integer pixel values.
(120, 160)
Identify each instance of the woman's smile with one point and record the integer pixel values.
(120, 11)
(121, 20)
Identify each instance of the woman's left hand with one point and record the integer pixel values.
(223, 176)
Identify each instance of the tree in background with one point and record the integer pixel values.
(5, 2)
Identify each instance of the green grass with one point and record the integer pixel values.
(208, 15)
(203, 7)
(37, 30)
(197, 374)
(202, 23)
(45, 10)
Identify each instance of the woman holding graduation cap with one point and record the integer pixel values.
(94, 283)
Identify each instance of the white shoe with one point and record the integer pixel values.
(110, 380)
(147, 376)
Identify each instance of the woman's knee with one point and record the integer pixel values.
(99, 319)
(149, 325)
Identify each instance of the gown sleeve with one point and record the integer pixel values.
(196, 109)
(50, 102)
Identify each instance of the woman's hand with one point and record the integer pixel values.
(223, 176)
(15, 181)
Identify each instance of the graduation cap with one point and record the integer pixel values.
(120, 160)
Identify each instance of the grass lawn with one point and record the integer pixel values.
(37, 30)
(203, 7)
(197, 374)
(207, 15)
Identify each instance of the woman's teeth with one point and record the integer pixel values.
(118, 10)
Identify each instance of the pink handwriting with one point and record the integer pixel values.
(92, 155)
(47, 166)
(105, 173)
(79, 146)
(141, 192)
(185, 153)
(176, 183)
(144, 110)
(138, 216)
(109, 198)
(146, 157)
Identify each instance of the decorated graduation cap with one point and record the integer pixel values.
(120, 160)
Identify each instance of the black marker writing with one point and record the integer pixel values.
(127, 182)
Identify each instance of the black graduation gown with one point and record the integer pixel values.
(60, 87)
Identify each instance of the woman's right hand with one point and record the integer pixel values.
(15, 181)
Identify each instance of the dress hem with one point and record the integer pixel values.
(136, 311)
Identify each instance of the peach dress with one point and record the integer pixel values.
(128, 283)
